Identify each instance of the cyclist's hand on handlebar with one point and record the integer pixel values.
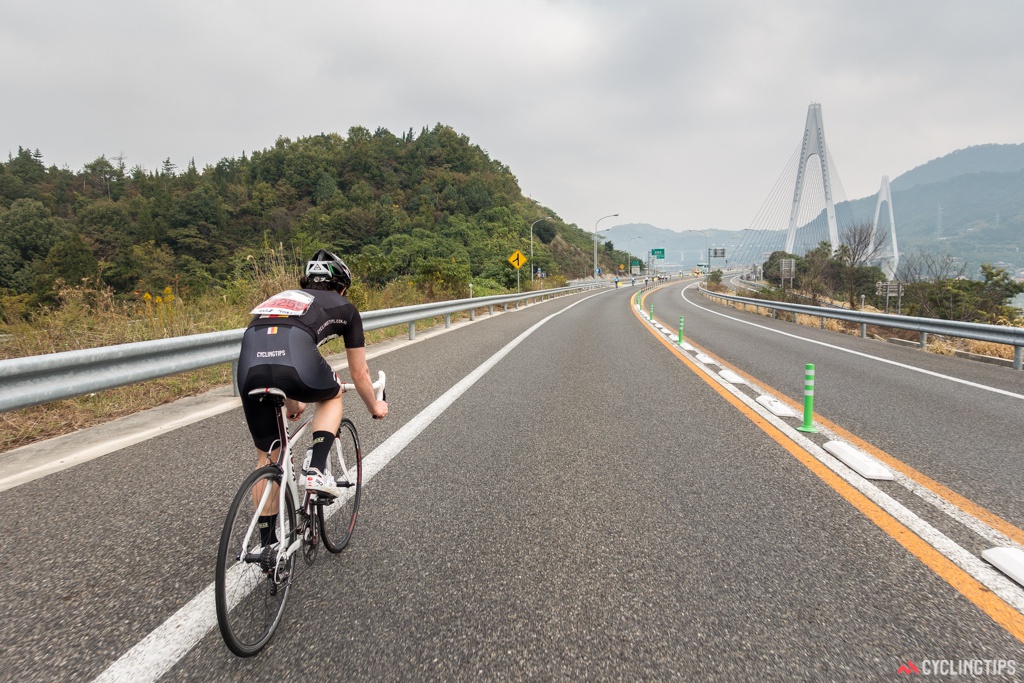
(379, 410)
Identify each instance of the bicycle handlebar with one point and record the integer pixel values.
(378, 386)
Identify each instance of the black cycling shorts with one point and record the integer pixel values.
(286, 358)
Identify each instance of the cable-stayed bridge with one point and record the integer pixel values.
(808, 206)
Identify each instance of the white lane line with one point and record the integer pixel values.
(155, 654)
(1000, 585)
(27, 463)
(982, 529)
(995, 581)
(855, 353)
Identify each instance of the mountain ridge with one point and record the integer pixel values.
(968, 203)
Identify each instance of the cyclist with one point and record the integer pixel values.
(280, 350)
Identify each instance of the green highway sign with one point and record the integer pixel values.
(658, 253)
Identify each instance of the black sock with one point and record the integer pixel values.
(322, 442)
(267, 525)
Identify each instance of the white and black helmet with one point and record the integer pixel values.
(326, 267)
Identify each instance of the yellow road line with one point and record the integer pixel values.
(952, 497)
(1000, 612)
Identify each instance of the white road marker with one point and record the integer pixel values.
(983, 387)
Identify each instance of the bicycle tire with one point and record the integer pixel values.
(338, 518)
(249, 602)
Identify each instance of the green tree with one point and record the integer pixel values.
(27, 167)
(326, 187)
(70, 261)
(27, 233)
(372, 265)
(441, 278)
(545, 232)
(996, 293)
(107, 225)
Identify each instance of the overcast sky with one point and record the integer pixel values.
(679, 114)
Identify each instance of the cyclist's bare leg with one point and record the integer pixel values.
(271, 506)
(324, 427)
(293, 409)
(328, 416)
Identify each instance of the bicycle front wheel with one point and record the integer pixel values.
(338, 515)
(252, 585)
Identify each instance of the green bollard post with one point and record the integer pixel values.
(652, 311)
(680, 329)
(808, 425)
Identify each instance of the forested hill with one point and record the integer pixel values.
(432, 208)
(969, 204)
(977, 159)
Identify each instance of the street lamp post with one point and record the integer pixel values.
(630, 253)
(707, 251)
(595, 241)
(546, 218)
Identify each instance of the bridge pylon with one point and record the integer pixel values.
(889, 254)
(813, 145)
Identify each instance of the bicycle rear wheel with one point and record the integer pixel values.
(251, 586)
(338, 516)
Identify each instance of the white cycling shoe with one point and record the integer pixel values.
(321, 483)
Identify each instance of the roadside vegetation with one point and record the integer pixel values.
(112, 254)
(933, 287)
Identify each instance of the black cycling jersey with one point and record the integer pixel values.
(324, 314)
(279, 349)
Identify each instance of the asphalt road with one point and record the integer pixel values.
(958, 432)
(589, 509)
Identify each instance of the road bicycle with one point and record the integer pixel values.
(254, 578)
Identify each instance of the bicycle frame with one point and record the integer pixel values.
(284, 462)
(264, 566)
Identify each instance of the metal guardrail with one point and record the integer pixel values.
(33, 380)
(998, 334)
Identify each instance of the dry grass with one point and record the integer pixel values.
(85, 317)
(22, 427)
(989, 349)
(945, 346)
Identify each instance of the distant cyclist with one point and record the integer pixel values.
(280, 350)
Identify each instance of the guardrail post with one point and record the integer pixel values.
(822, 322)
(447, 320)
(234, 378)
(472, 314)
(412, 331)
(808, 425)
(863, 330)
(1018, 354)
(924, 340)
(490, 310)
(505, 307)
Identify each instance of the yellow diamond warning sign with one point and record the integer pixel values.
(517, 259)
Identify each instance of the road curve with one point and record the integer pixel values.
(588, 508)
